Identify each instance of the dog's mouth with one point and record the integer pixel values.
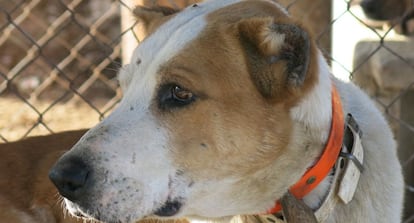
(169, 208)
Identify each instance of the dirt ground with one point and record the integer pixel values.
(18, 120)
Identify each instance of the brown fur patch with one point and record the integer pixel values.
(252, 18)
(231, 129)
(25, 190)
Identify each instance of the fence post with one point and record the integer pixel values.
(406, 145)
(129, 40)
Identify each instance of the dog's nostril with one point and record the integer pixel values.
(76, 181)
(70, 177)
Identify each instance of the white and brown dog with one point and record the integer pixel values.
(227, 105)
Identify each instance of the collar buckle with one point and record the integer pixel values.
(352, 162)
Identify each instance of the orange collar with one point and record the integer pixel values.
(321, 169)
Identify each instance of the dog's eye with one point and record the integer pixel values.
(174, 96)
(180, 94)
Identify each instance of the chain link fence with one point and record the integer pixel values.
(59, 60)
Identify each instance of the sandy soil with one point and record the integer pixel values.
(19, 120)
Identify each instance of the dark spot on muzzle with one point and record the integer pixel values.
(170, 208)
(70, 176)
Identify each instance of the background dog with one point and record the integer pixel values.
(399, 13)
(26, 193)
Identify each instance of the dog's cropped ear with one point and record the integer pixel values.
(278, 56)
(149, 19)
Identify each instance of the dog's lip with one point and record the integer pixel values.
(169, 208)
(79, 214)
(75, 210)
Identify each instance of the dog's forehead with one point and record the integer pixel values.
(176, 33)
(165, 43)
(172, 37)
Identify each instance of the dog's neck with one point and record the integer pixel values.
(313, 116)
(312, 111)
(321, 128)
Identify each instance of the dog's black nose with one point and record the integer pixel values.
(70, 177)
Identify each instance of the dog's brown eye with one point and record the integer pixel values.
(171, 96)
(181, 94)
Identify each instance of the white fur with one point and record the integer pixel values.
(313, 111)
(139, 82)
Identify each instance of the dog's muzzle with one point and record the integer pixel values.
(70, 177)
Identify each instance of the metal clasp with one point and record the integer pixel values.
(353, 155)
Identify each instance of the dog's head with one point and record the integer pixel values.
(204, 121)
(398, 13)
(385, 9)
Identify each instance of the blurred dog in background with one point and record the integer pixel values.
(397, 13)
(26, 194)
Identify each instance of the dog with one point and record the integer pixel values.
(399, 14)
(228, 106)
(26, 193)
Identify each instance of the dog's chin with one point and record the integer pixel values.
(87, 216)
(169, 209)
